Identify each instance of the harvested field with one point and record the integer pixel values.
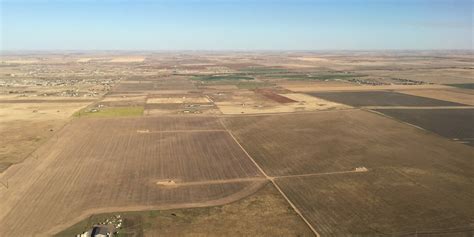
(264, 213)
(39, 101)
(162, 124)
(336, 141)
(310, 86)
(153, 84)
(251, 108)
(93, 171)
(25, 126)
(173, 108)
(221, 87)
(11, 112)
(380, 98)
(275, 97)
(180, 85)
(112, 112)
(116, 94)
(121, 103)
(176, 100)
(148, 86)
(20, 139)
(253, 103)
(203, 143)
(124, 98)
(311, 101)
(455, 124)
(385, 202)
(179, 104)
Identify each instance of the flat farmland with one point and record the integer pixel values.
(148, 163)
(151, 124)
(173, 108)
(462, 96)
(456, 124)
(25, 124)
(149, 84)
(385, 202)
(274, 96)
(179, 104)
(237, 144)
(135, 86)
(380, 98)
(264, 213)
(335, 141)
(255, 103)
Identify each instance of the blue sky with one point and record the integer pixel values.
(236, 25)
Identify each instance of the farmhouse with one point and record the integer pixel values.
(98, 231)
(101, 231)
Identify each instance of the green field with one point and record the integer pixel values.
(232, 77)
(319, 77)
(463, 86)
(111, 112)
(263, 70)
(251, 85)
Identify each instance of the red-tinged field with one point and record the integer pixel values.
(275, 97)
(385, 202)
(103, 165)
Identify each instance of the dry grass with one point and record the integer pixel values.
(251, 103)
(264, 213)
(395, 202)
(25, 126)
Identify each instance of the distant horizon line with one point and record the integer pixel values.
(227, 50)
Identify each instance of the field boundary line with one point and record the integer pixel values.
(246, 191)
(272, 180)
(349, 108)
(183, 131)
(46, 141)
(209, 182)
(4, 184)
(320, 174)
(459, 141)
(395, 119)
(418, 107)
(294, 207)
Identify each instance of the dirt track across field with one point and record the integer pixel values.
(93, 171)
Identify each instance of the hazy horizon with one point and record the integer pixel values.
(220, 25)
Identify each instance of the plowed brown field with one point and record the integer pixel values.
(96, 165)
(385, 202)
(336, 141)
